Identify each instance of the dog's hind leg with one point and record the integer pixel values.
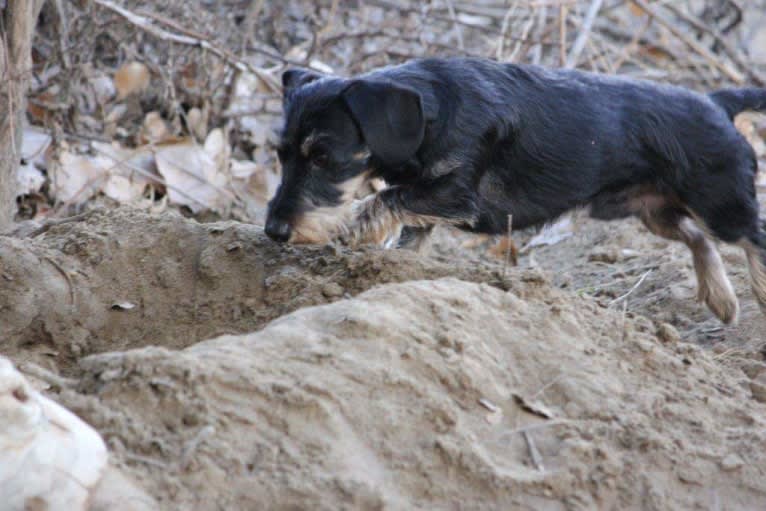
(714, 287)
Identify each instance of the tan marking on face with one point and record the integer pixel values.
(351, 187)
(320, 225)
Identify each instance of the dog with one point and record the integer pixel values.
(467, 142)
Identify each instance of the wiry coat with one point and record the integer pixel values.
(470, 142)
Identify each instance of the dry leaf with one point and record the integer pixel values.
(154, 129)
(124, 306)
(131, 78)
(118, 172)
(635, 10)
(551, 234)
(75, 177)
(196, 176)
(103, 87)
(34, 144)
(130, 171)
(197, 123)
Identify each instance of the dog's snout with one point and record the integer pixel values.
(278, 230)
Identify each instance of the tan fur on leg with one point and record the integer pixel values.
(714, 286)
(375, 221)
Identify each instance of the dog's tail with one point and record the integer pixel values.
(734, 101)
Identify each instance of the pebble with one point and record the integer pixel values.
(759, 391)
(732, 462)
(604, 255)
(668, 334)
(753, 369)
(332, 290)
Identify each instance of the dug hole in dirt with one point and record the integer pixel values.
(430, 382)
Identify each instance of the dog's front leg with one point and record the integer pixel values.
(381, 216)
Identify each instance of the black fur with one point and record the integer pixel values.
(500, 139)
(471, 141)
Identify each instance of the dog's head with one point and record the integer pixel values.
(337, 133)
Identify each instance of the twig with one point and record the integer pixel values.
(533, 452)
(635, 286)
(47, 376)
(504, 30)
(629, 48)
(562, 34)
(58, 221)
(582, 37)
(192, 446)
(145, 23)
(66, 277)
(458, 29)
(62, 30)
(509, 249)
(547, 386)
(524, 34)
(539, 425)
(733, 54)
(537, 52)
(145, 460)
(733, 74)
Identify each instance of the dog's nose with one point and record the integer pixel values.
(278, 230)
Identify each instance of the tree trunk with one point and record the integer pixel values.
(17, 23)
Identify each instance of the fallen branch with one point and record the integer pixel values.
(582, 37)
(733, 74)
(146, 23)
(635, 286)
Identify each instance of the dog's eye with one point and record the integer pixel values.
(320, 159)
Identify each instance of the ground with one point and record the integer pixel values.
(225, 371)
(387, 379)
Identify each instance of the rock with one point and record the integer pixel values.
(668, 334)
(759, 391)
(49, 458)
(753, 369)
(332, 290)
(604, 255)
(732, 462)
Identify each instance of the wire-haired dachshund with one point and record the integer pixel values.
(467, 142)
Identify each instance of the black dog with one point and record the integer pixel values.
(468, 142)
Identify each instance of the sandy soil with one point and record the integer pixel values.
(432, 381)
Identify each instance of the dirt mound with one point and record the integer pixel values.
(111, 280)
(499, 390)
(436, 395)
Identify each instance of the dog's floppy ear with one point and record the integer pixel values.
(390, 117)
(293, 78)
